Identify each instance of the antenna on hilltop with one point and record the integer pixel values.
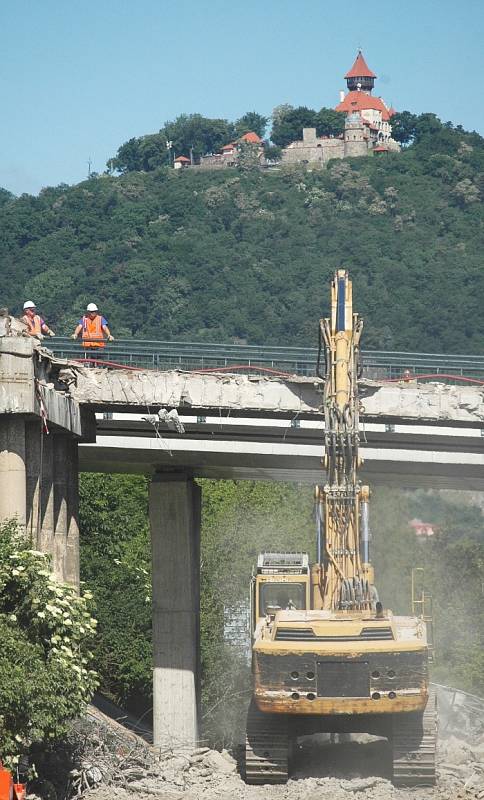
(89, 165)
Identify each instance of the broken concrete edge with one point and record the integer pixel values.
(203, 393)
(28, 387)
(11, 326)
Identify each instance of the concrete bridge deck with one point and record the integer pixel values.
(275, 396)
(271, 428)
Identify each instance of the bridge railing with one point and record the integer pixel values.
(294, 360)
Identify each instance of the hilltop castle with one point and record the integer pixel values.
(367, 124)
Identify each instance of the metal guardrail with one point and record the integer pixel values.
(460, 712)
(295, 360)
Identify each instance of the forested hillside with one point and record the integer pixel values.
(246, 255)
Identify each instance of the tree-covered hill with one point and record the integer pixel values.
(247, 254)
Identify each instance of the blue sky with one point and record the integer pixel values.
(80, 77)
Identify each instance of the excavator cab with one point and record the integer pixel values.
(280, 582)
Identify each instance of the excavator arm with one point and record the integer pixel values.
(343, 576)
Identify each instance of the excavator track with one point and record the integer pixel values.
(267, 747)
(414, 743)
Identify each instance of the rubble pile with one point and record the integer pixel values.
(335, 771)
(461, 763)
(116, 764)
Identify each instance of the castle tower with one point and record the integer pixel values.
(360, 77)
(355, 136)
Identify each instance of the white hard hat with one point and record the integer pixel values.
(29, 304)
(92, 307)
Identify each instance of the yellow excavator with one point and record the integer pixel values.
(327, 656)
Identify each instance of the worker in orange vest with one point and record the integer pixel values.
(36, 325)
(93, 327)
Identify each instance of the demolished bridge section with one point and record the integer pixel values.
(284, 396)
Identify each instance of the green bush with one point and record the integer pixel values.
(46, 631)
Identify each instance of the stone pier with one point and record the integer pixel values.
(40, 427)
(175, 504)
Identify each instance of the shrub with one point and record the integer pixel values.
(45, 631)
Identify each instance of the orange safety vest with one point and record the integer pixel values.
(92, 329)
(34, 323)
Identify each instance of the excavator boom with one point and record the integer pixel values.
(344, 572)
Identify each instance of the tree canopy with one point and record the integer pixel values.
(288, 123)
(189, 134)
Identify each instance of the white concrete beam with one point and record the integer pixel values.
(235, 459)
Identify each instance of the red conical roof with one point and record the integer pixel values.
(360, 68)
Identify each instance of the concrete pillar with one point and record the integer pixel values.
(13, 497)
(175, 502)
(33, 436)
(52, 477)
(71, 566)
(65, 550)
(45, 538)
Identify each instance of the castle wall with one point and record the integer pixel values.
(312, 149)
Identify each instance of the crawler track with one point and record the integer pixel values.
(414, 743)
(267, 747)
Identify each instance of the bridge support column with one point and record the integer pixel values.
(13, 496)
(33, 447)
(45, 531)
(52, 499)
(65, 550)
(175, 503)
(72, 568)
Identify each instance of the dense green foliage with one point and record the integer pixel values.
(408, 127)
(248, 255)
(115, 559)
(45, 662)
(240, 519)
(289, 123)
(187, 134)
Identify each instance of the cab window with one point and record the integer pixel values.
(281, 595)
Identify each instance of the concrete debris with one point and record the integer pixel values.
(218, 762)
(360, 786)
(171, 419)
(204, 774)
(118, 765)
(11, 326)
